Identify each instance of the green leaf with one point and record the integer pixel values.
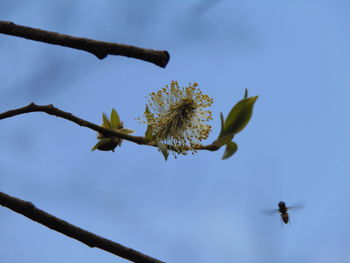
(95, 147)
(164, 149)
(147, 110)
(222, 120)
(107, 144)
(231, 148)
(126, 131)
(115, 120)
(222, 140)
(219, 140)
(106, 122)
(239, 116)
(149, 134)
(101, 143)
(246, 93)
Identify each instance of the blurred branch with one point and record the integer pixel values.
(98, 48)
(29, 210)
(51, 110)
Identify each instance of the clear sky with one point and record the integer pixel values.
(294, 54)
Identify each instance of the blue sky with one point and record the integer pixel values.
(293, 54)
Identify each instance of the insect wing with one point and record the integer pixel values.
(270, 211)
(296, 207)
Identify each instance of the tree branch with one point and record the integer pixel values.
(29, 210)
(98, 48)
(51, 110)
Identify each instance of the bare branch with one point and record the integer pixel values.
(50, 109)
(98, 48)
(29, 210)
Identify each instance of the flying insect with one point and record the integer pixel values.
(283, 210)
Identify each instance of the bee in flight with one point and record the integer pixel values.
(283, 210)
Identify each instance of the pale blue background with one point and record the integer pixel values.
(294, 54)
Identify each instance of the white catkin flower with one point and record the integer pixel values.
(176, 116)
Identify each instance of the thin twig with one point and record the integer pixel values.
(29, 210)
(50, 109)
(98, 48)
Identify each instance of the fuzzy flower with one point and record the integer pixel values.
(176, 116)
